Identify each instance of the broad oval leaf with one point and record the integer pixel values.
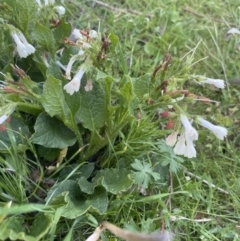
(52, 133)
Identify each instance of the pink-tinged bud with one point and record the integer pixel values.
(165, 114)
(2, 128)
(170, 124)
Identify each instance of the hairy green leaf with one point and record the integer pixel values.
(45, 38)
(14, 228)
(52, 133)
(141, 85)
(23, 13)
(53, 98)
(62, 31)
(97, 202)
(41, 224)
(93, 109)
(6, 50)
(54, 70)
(114, 181)
(79, 204)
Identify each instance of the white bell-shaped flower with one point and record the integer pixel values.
(190, 131)
(3, 118)
(23, 47)
(219, 83)
(190, 150)
(180, 147)
(60, 10)
(76, 33)
(96, 234)
(29, 47)
(172, 139)
(219, 131)
(74, 84)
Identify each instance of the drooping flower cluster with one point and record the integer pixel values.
(84, 42)
(23, 47)
(183, 144)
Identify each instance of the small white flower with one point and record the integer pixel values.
(89, 85)
(219, 83)
(71, 62)
(180, 147)
(93, 34)
(76, 33)
(29, 47)
(39, 3)
(219, 131)
(190, 150)
(69, 67)
(3, 118)
(86, 45)
(190, 132)
(233, 31)
(74, 84)
(96, 234)
(81, 52)
(172, 139)
(23, 47)
(60, 10)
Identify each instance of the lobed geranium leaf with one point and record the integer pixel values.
(143, 174)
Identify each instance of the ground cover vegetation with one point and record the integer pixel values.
(121, 111)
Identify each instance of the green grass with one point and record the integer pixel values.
(167, 25)
(198, 209)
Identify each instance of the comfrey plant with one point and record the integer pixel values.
(77, 131)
